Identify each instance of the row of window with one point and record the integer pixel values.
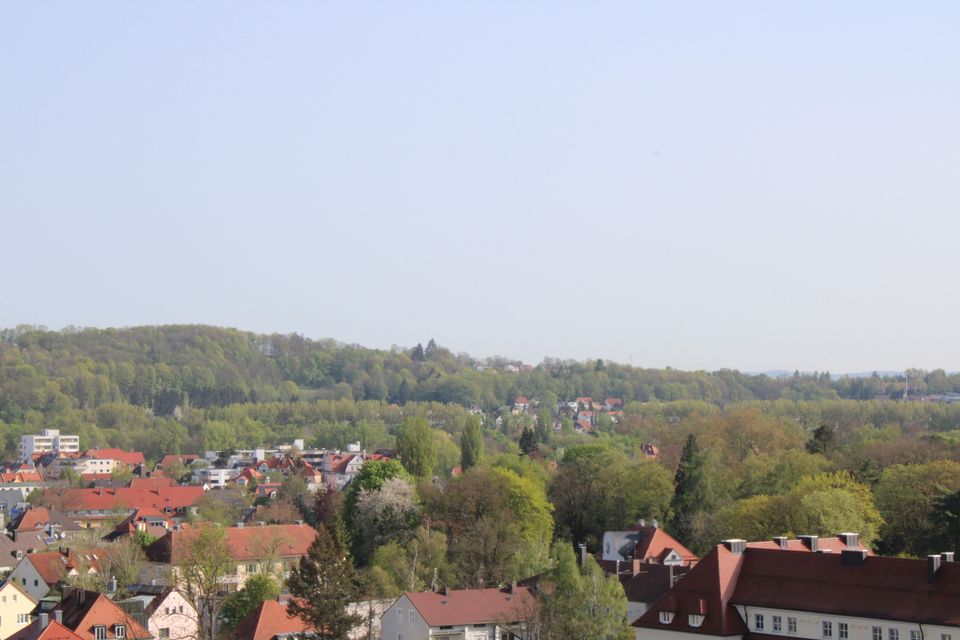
(826, 629)
(100, 631)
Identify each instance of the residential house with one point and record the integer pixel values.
(185, 459)
(270, 621)
(52, 631)
(465, 614)
(649, 544)
(740, 591)
(91, 507)
(40, 572)
(54, 524)
(88, 614)
(521, 404)
(15, 607)
(261, 549)
(163, 611)
(268, 490)
(339, 469)
(613, 404)
(212, 477)
(147, 521)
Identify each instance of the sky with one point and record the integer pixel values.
(750, 185)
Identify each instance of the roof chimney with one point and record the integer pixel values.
(642, 522)
(44, 619)
(583, 555)
(655, 524)
(112, 585)
(735, 545)
(946, 556)
(261, 523)
(781, 541)
(933, 567)
(850, 539)
(58, 615)
(853, 557)
(239, 525)
(809, 541)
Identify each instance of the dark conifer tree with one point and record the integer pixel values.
(323, 584)
(691, 492)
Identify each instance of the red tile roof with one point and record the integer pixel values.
(110, 499)
(655, 544)
(83, 610)
(246, 543)
(53, 566)
(267, 621)
(824, 545)
(706, 590)
(472, 606)
(880, 587)
(21, 476)
(128, 457)
(184, 458)
(152, 483)
(54, 631)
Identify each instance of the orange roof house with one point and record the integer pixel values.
(268, 621)
(649, 544)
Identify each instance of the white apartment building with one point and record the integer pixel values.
(48, 440)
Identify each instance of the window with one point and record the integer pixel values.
(876, 633)
(695, 620)
(758, 621)
(791, 625)
(100, 632)
(251, 568)
(120, 630)
(180, 609)
(36, 583)
(777, 624)
(915, 635)
(413, 616)
(164, 633)
(843, 631)
(23, 618)
(666, 617)
(166, 610)
(945, 636)
(827, 628)
(893, 634)
(400, 614)
(399, 636)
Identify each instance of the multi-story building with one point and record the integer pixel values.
(743, 592)
(48, 440)
(266, 548)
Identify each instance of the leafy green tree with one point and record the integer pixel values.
(416, 446)
(257, 589)
(499, 525)
(580, 602)
(471, 443)
(905, 496)
(412, 566)
(323, 585)
(598, 489)
(691, 491)
(205, 561)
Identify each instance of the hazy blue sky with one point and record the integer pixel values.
(697, 184)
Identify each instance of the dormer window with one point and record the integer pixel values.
(100, 631)
(120, 630)
(695, 620)
(666, 617)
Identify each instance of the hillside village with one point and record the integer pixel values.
(72, 515)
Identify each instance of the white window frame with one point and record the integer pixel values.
(843, 630)
(777, 624)
(791, 625)
(758, 621)
(826, 628)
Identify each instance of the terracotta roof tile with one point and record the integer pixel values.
(267, 621)
(472, 606)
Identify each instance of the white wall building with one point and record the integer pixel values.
(466, 614)
(48, 440)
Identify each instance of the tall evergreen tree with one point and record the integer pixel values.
(323, 584)
(691, 492)
(823, 440)
(471, 443)
(528, 441)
